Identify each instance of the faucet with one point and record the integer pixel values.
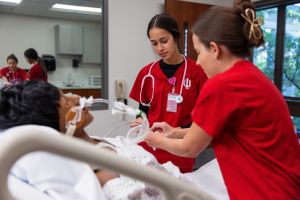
(70, 81)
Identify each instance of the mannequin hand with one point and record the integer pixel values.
(136, 122)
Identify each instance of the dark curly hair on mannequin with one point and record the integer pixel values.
(29, 102)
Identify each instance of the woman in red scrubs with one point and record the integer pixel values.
(239, 111)
(38, 70)
(167, 89)
(12, 74)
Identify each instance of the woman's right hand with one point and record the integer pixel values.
(169, 131)
(7, 83)
(165, 128)
(136, 122)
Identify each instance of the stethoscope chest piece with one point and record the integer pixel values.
(179, 99)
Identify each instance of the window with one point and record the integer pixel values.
(291, 64)
(279, 59)
(264, 57)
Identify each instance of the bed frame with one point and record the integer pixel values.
(37, 138)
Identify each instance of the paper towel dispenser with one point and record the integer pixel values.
(49, 61)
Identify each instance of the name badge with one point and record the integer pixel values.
(172, 102)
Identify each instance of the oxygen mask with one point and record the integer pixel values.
(74, 118)
(135, 134)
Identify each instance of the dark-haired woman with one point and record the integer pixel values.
(12, 74)
(167, 89)
(239, 111)
(38, 70)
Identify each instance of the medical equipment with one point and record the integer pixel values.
(136, 134)
(179, 99)
(32, 138)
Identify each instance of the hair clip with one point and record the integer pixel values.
(254, 23)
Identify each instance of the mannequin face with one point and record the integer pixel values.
(67, 102)
(163, 44)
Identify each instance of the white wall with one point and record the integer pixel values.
(19, 32)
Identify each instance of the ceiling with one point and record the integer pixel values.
(41, 8)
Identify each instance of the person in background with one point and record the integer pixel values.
(38, 70)
(239, 111)
(12, 74)
(167, 89)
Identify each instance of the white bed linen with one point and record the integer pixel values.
(66, 179)
(21, 190)
(59, 177)
(207, 177)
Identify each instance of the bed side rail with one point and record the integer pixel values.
(37, 138)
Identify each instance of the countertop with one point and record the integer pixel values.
(79, 87)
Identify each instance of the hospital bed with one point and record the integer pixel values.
(39, 139)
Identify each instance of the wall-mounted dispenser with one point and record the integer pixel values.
(120, 90)
(75, 63)
(49, 61)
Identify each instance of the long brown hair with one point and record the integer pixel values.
(236, 28)
(31, 53)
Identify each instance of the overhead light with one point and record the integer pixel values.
(10, 2)
(78, 9)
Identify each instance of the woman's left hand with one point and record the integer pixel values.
(154, 139)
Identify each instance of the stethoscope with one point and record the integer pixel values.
(11, 76)
(179, 97)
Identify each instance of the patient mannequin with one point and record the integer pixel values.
(40, 103)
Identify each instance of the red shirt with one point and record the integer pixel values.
(254, 138)
(36, 73)
(13, 76)
(195, 78)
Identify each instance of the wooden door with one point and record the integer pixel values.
(186, 14)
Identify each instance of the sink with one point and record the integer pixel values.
(77, 86)
(71, 85)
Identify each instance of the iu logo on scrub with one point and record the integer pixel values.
(187, 83)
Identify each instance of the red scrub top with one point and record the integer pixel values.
(254, 138)
(194, 80)
(13, 76)
(36, 73)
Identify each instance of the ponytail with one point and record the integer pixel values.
(42, 65)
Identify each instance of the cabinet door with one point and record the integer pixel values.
(69, 39)
(77, 40)
(189, 13)
(91, 44)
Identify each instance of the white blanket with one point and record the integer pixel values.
(58, 177)
(65, 179)
(208, 177)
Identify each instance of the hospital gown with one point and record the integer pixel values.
(208, 179)
(126, 188)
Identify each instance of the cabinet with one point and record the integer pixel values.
(69, 39)
(91, 44)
